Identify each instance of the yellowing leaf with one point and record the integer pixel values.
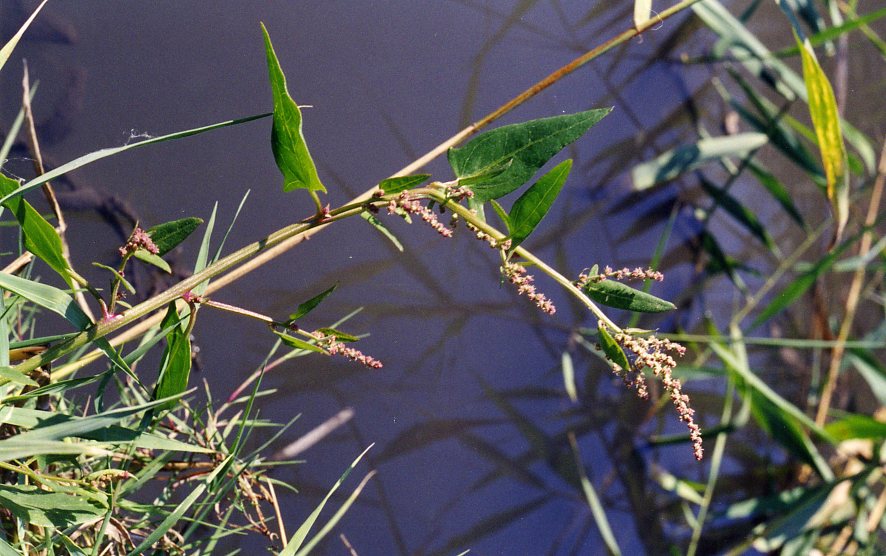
(826, 120)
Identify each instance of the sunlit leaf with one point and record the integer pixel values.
(37, 506)
(402, 183)
(502, 214)
(309, 305)
(379, 225)
(155, 260)
(621, 296)
(301, 534)
(41, 239)
(642, 11)
(670, 164)
(104, 153)
(568, 376)
(856, 426)
(47, 297)
(523, 148)
(7, 49)
(287, 140)
(339, 335)
(826, 120)
(175, 364)
(534, 203)
(168, 235)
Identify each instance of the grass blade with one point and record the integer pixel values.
(7, 49)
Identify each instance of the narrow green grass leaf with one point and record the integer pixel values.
(311, 304)
(621, 296)
(522, 148)
(673, 163)
(826, 120)
(203, 252)
(402, 183)
(856, 426)
(777, 190)
(301, 534)
(611, 349)
(336, 517)
(176, 515)
(48, 509)
(146, 256)
(10, 374)
(287, 140)
(642, 11)
(104, 153)
(169, 235)
(21, 448)
(297, 343)
(41, 239)
(872, 370)
(7, 49)
(12, 133)
(593, 501)
(532, 206)
(569, 376)
(379, 225)
(739, 212)
(175, 366)
(47, 297)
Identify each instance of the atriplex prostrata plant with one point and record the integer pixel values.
(493, 174)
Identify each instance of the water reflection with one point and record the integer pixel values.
(470, 418)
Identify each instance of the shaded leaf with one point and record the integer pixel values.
(621, 296)
(502, 214)
(402, 183)
(534, 203)
(777, 190)
(287, 140)
(611, 349)
(741, 213)
(39, 507)
(826, 120)
(297, 343)
(524, 147)
(672, 163)
(309, 305)
(168, 235)
(41, 239)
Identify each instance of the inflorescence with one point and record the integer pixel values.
(652, 353)
(334, 347)
(138, 239)
(404, 202)
(517, 275)
(620, 274)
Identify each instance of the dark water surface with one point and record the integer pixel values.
(468, 414)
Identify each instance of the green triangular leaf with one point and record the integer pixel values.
(523, 148)
(287, 140)
(168, 235)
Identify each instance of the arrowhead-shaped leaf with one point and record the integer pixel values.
(41, 239)
(535, 202)
(287, 141)
(621, 296)
(520, 148)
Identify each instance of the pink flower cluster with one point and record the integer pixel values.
(334, 347)
(138, 239)
(405, 202)
(483, 236)
(621, 274)
(652, 352)
(517, 275)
